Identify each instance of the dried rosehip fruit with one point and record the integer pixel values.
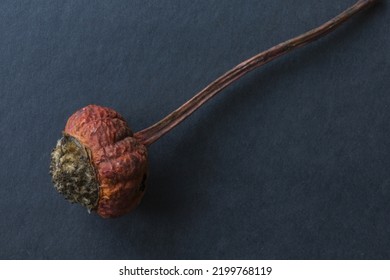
(102, 165)
(98, 163)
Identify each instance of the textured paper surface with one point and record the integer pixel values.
(291, 162)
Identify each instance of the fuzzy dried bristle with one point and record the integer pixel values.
(73, 174)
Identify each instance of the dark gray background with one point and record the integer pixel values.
(291, 162)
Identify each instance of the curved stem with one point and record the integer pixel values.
(151, 134)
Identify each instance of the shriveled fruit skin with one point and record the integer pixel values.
(119, 160)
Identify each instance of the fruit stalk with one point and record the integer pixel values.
(151, 134)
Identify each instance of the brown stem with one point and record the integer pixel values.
(151, 134)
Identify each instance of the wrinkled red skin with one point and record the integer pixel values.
(119, 160)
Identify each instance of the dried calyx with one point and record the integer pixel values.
(73, 173)
(99, 162)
